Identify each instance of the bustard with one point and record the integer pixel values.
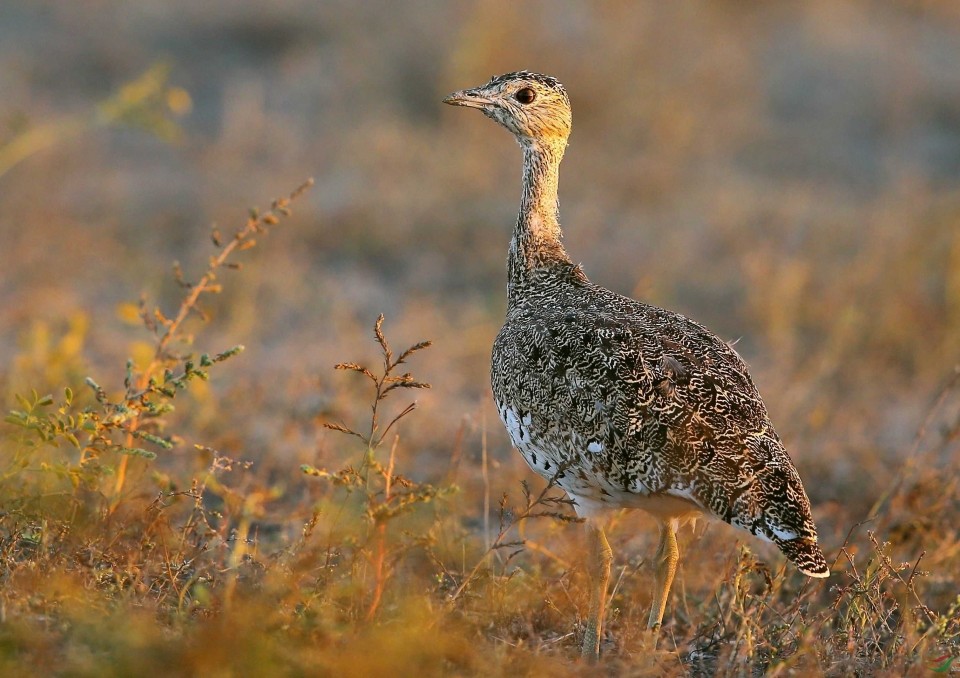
(625, 404)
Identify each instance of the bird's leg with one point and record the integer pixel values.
(600, 557)
(666, 561)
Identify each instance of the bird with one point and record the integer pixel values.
(620, 403)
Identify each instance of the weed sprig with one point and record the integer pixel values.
(387, 495)
(131, 423)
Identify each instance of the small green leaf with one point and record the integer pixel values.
(138, 452)
(156, 440)
(229, 353)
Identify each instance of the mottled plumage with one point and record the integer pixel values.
(639, 406)
(642, 403)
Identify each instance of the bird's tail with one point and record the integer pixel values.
(806, 555)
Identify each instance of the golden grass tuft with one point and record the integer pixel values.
(118, 559)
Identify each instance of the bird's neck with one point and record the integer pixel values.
(536, 242)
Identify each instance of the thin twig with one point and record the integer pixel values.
(171, 328)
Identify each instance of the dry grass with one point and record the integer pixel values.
(786, 173)
(212, 563)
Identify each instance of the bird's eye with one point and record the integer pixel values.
(525, 95)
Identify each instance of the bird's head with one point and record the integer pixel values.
(532, 106)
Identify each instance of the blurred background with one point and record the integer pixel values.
(785, 173)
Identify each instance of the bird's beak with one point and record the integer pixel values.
(471, 98)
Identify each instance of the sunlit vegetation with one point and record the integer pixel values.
(210, 465)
